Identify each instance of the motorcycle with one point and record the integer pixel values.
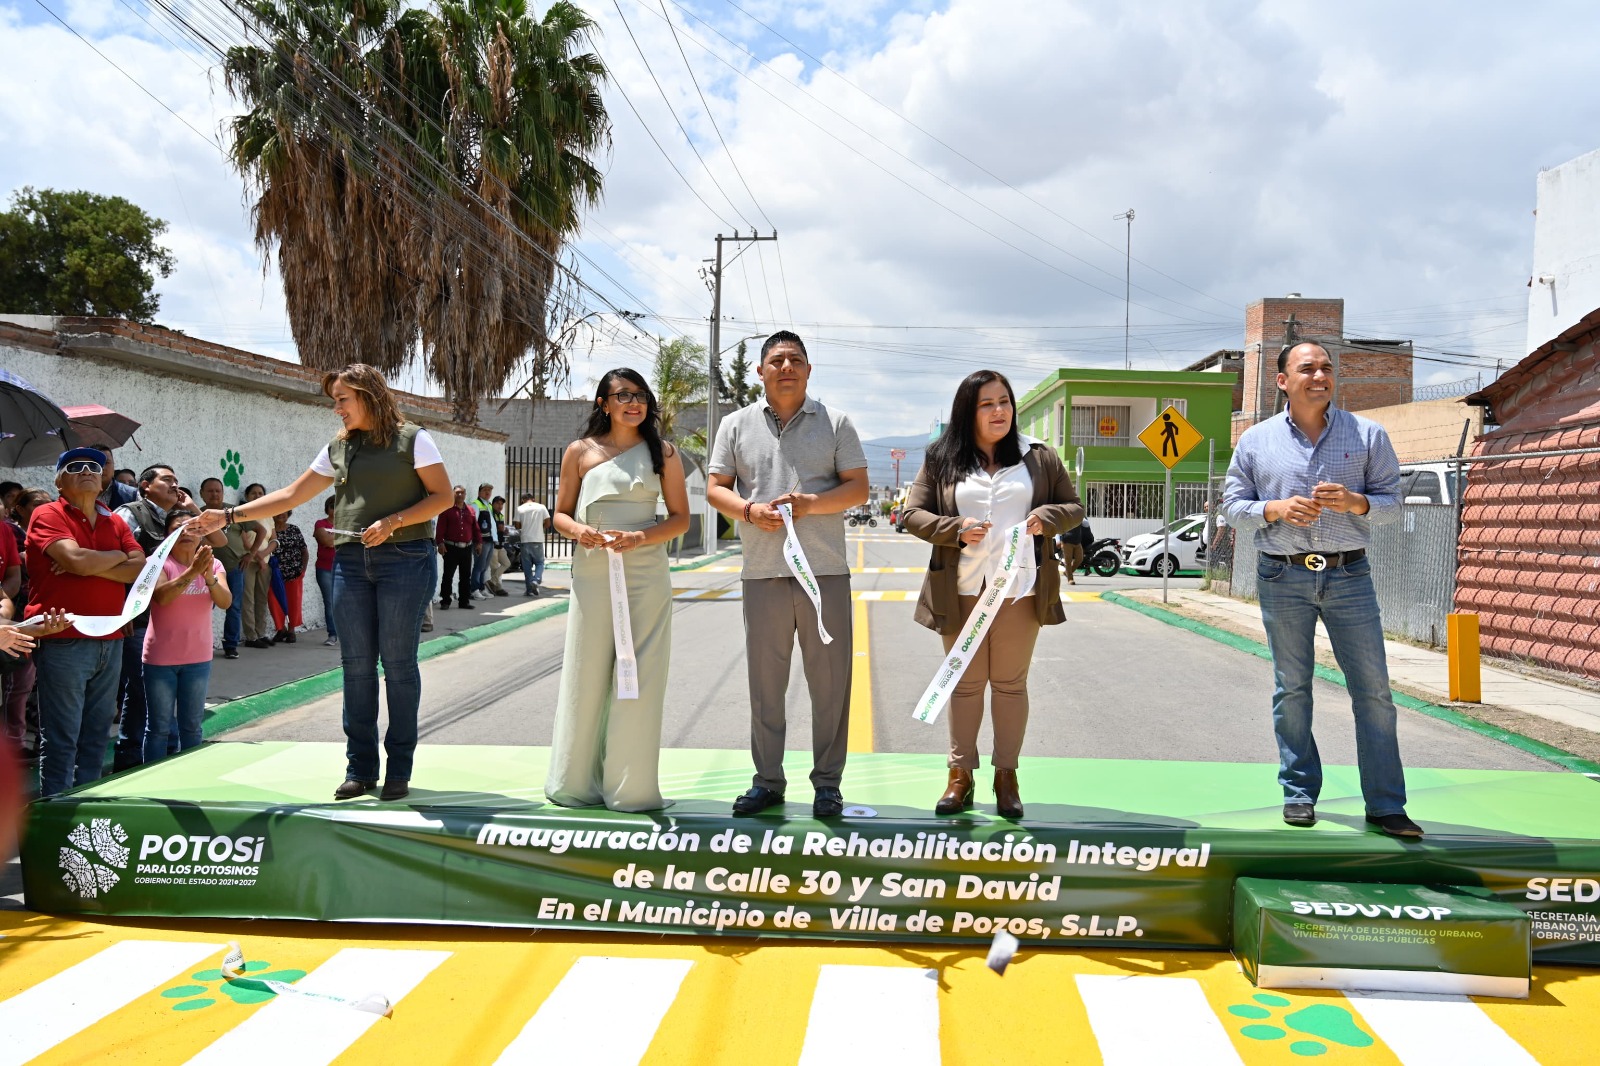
(1104, 557)
(855, 519)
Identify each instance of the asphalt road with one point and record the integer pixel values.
(1110, 683)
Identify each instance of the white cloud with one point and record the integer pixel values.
(1379, 153)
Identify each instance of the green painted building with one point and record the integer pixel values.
(1103, 411)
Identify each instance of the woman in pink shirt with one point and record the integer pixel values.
(177, 646)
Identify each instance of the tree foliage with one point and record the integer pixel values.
(79, 253)
(419, 171)
(735, 387)
(679, 379)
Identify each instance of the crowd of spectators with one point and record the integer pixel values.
(74, 549)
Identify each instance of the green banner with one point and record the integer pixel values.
(1307, 934)
(230, 831)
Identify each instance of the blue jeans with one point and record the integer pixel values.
(77, 690)
(480, 568)
(325, 584)
(233, 620)
(176, 696)
(1292, 599)
(131, 697)
(533, 564)
(280, 590)
(379, 598)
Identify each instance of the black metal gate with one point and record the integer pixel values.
(537, 471)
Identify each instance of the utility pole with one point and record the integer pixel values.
(1127, 287)
(709, 542)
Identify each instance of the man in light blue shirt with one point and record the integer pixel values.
(1310, 483)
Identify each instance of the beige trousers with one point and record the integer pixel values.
(1001, 665)
(257, 615)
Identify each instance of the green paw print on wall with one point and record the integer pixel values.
(232, 469)
(1325, 1021)
(240, 990)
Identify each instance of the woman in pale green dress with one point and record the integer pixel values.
(605, 749)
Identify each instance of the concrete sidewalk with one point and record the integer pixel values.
(263, 680)
(1546, 711)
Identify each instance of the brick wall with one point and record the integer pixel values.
(1530, 536)
(1264, 334)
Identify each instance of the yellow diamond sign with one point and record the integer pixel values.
(1170, 437)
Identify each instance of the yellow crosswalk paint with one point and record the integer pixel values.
(706, 1002)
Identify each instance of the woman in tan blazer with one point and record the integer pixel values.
(979, 479)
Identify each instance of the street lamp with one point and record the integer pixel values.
(713, 372)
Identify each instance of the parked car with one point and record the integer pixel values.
(1441, 483)
(1144, 554)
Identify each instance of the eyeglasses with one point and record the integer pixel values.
(626, 396)
(82, 466)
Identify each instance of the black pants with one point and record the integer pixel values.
(457, 561)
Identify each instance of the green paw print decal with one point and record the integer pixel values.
(232, 469)
(1330, 1024)
(241, 990)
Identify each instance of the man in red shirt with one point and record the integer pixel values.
(81, 557)
(458, 539)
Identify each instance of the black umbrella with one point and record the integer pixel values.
(32, 428)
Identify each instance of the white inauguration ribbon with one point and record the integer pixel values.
(622, 629)
(140, 594)
(233, 970)
(1010, 578)
(800, 567)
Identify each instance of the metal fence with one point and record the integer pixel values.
(537, 470)
(1413, 569)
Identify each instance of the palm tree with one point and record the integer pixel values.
(679, 380)
(523, 122)
(419, 173)
(321, 197)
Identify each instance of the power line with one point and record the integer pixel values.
(711, 118)
(918, 166)
(962, 155)
(673, 112)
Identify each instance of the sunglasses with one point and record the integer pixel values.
(83, 466)
(625, 396)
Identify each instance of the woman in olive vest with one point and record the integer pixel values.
(388, 483)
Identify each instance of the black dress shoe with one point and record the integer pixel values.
(1301, 814)
(1396, 825)
(353, 787)
(828, 803)
(395, 790)
(757, 800)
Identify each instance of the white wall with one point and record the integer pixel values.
(1566, 249)
(194, 426)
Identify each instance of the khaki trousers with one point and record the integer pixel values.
(1001, 665)
(776, 611)
(257, 595)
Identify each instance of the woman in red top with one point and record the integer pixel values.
(322, 530)
(177, 644)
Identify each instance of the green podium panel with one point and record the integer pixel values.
(1380, 938)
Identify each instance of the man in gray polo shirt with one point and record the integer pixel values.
(788, 449)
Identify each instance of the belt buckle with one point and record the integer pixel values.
(1316, 562)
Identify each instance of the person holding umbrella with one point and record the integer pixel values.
(389, 482)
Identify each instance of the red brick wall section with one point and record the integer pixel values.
(1529, 561)
(1264, 333)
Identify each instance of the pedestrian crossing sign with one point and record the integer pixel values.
(1170, 437)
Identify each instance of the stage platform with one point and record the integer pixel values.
(1112, 852)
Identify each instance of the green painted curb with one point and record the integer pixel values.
(247, 709)
(1549, 752)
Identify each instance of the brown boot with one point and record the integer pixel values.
(957, 794)
(1006, 797)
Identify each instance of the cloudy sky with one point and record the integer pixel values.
(943, 176)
